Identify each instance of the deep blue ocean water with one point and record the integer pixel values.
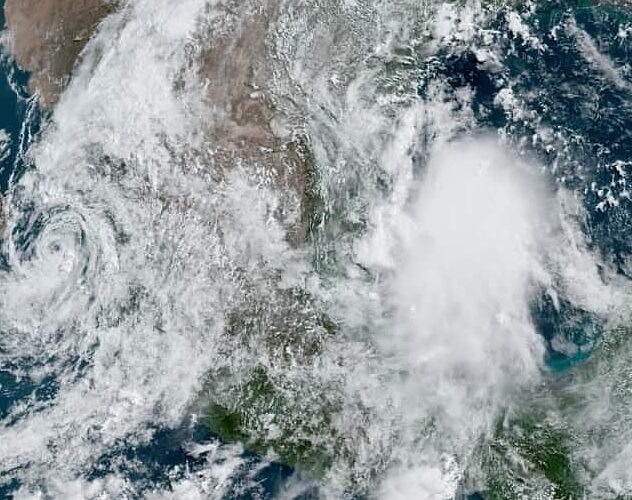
(15, 107)
(570, 95)
(596, 118)
(590, 112)
(21, 118)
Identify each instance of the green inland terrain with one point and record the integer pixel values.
(539, 449)
(531, 453)
(273, 397)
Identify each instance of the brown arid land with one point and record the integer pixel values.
(47, 37)
(237, 68)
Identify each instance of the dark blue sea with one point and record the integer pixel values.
(595, 119)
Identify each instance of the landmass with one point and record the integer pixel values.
(244, 130)
(47, 36)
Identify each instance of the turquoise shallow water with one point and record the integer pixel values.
(589, 112)
(559, 87)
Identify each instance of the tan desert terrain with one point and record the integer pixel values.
(47, 36)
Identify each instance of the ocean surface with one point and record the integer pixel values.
(456, 324)
(14, 102)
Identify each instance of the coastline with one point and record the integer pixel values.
(46, 38)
